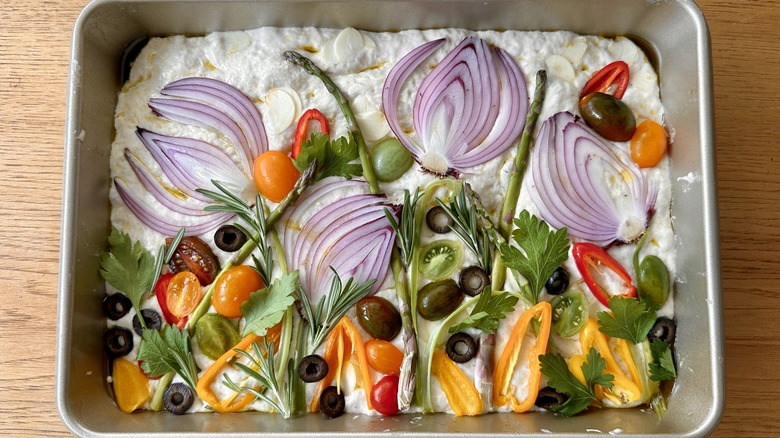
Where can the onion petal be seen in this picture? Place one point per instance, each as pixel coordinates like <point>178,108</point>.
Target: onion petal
<point>348,232</point>
<point>467,111</point>
<point>587,185</point>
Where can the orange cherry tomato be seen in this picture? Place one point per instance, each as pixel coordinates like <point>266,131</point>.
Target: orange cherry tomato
<point>648,145</point>
<point>275,175</point>
<point>384,356</point>
<point>233,288</point>
<point>183,294</point>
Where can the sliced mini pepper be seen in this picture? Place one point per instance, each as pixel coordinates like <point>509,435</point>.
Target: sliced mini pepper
<point>302,128</point>
<point>343,341</point>
<point>615,72</point>
<point>589,257</point>
<point>459,389</point>
<point>131,386</point>
<point>238,401</point>
<point>625,389</point>
<point>505,367</point>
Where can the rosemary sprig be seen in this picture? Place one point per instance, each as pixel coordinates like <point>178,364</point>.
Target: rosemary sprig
<point>472,225</point>
<point>333,306</point>
<point>405,230</point>
<point>263,370</point>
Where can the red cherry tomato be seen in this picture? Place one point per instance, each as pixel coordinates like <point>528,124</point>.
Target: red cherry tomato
<point>384,395</point>
<point>233,288</point>
<point>275,175</point>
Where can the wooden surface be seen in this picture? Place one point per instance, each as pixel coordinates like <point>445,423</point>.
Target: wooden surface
<point>34,50</point>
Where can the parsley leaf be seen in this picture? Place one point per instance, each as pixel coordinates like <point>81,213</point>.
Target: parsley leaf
<point>562,380</point>
<point>543,250</point>
<point>128,267</point>
<point>266,307</point>
<point>334,157</point>
<point>168,350</point>
<point>487,311</point>
<point>662,366</point>
<point>630,319</point>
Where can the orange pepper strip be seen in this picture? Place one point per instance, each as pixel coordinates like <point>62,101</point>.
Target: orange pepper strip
<point>624,390</point>
<point>461,393</point>
<point>505,367</point>
<point>343,341</point>
<point>235,403</point>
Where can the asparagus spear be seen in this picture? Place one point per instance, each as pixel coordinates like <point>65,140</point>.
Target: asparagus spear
<point>408,366</point>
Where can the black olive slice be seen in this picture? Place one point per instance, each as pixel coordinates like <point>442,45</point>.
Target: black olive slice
<point>438,220</point>
<point>152,319</point>
<point>312,368</point>
<point>332,402</point>
<point>558,281</point>
<point>229,238</point>
<point>664,329</point>
<point>115,306</point>
<point>473,280</point>
<point>461,347</point>
<point>117,341</point>
<point>178,398</point>
<point>548,398</point>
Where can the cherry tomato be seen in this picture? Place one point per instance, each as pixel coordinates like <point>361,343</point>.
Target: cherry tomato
<point>384,395</point>
<point>384,356</point>
<point>649,143</point>
<point>233,288</point>
<point>183,294</point>
<point>275,175</point>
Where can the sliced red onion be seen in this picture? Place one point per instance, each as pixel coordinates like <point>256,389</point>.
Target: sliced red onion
<point>349,232</point>
<point>580,181</point>
<point>468,110</point>
<point>217,106</point>
<point>155,219</point>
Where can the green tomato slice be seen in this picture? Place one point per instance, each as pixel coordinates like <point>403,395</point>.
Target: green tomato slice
<point>569,313</point>
<point>440,259</point>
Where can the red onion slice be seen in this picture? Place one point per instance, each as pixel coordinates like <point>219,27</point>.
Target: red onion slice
<point>581,182</point>
<point>219,107</point>
<point>348,232</point>
<point>467,111</point>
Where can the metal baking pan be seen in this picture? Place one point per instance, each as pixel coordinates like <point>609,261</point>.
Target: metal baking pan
<point>673,31</point>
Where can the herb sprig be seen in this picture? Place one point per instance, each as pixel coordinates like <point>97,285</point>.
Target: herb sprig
<point>487,312</point>
<point>662,367</point>
<point>333,306</point>
<point>265,308</point>
<point>334,157</point>
<point>404,228</point>
<point>630,319</point>
<point>562,380</point>
<point>166,351</point>
<point>543,250</point>
<point>468,225</point>
<point>263,369</point>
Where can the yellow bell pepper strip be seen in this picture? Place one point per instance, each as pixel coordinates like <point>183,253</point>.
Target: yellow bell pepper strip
<point>131,386</point>
<point>625,390</point>
<point>238,401</point>
<point>461,393</point>
<point>505,367</point>
<point>343,341</point>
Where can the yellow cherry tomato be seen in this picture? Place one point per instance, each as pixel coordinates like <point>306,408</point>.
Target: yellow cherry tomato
<point>649,144</point>
<point>183,294</point>
<point>275,175</point>
<point>384,356</point>
<point>232,288</point>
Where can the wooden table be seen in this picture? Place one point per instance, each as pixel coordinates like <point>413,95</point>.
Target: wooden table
<point>34,50</point>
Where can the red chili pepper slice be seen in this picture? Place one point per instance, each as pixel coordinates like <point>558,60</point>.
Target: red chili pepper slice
<point>615,72</point>
<point>302,128</point>
<point>588,256</point>
<point>159,292</point>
